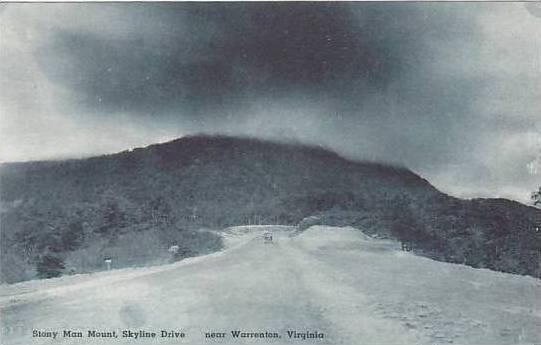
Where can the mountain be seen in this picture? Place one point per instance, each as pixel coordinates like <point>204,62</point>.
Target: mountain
<point>67,216</point>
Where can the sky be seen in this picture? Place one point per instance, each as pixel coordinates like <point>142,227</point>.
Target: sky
<point>449,90</point>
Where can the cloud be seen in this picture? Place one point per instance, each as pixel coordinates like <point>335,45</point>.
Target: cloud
<point>219,54</point>
<point>449,90</point>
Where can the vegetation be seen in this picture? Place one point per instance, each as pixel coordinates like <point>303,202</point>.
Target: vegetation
<point>132,206</point>
<point>49,266</point>
<point>536,197</point>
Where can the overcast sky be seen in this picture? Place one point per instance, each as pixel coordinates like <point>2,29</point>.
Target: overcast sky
<point>450,90</point>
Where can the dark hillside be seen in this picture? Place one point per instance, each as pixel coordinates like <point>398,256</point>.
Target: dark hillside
<point>163,194</point>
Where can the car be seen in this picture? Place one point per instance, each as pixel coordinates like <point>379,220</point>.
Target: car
<point>267,236</point>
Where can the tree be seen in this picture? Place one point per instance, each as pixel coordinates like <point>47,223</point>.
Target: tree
<point>113,217</point>
<point>404,226</point>
<point>160,211</point>
<point>536,197</point>
<point>50,266</point>
<point>72,236</point>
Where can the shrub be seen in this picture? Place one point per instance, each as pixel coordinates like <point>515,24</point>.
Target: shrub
<point>50,266</point>
<point>308,222</point>
<point>183,252</point>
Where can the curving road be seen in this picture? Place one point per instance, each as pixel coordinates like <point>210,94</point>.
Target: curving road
<point>329,285</point>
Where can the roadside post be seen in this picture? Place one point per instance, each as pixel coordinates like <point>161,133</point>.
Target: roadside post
<point>108,261</point>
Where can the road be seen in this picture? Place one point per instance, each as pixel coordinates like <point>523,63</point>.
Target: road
<point>334,283</point>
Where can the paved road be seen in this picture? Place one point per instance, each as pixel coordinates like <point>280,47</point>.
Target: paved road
<point>328,281</point>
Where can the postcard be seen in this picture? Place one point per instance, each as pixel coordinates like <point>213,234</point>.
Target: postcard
<point>358,173</point>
